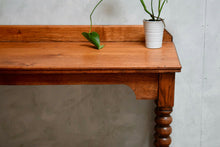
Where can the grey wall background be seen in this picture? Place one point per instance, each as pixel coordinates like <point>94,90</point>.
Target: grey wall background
<point>93,116</point>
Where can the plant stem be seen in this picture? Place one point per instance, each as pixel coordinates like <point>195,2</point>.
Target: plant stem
<point>91,15</point>
<point>152,10</point>
<point>145,8</point>
<point>160,9</point>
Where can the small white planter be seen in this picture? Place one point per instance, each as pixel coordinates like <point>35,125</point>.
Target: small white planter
<point>153,33</point>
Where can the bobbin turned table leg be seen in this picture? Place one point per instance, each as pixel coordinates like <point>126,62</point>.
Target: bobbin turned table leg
<point>162,128</point>
<point>163,110</point>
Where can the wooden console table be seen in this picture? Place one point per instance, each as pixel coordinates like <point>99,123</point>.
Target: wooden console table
<point>59,55</point>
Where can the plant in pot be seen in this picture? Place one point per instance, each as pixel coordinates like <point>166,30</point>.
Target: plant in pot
<point>154,27</point>
<point>93,37</point>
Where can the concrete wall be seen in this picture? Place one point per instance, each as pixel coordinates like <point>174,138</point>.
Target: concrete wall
<point>93,116</point>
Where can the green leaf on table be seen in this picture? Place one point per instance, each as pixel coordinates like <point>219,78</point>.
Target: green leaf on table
<point>93,38</point>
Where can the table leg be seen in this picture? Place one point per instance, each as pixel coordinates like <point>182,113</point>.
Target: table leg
<point>165,103</point>
<point>162,128</point>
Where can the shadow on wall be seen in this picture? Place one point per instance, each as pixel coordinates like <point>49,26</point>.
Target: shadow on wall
<point>111,8</point>
<point>109,11</point>
<point>84,115</point>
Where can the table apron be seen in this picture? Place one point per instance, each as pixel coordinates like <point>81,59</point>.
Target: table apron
<point>145,86</point>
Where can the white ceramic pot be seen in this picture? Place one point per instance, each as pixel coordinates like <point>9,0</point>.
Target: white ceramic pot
<point>153,33</point>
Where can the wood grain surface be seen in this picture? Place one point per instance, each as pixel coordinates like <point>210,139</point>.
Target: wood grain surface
<point>166,90</point>
<point>145,86</point>
<point>64,33</point>
<point>80,57</point>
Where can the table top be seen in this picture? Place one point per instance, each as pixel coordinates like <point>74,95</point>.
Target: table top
<point>81,57</point>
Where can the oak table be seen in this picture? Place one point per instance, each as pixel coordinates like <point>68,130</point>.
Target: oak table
<point>59,55</point>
